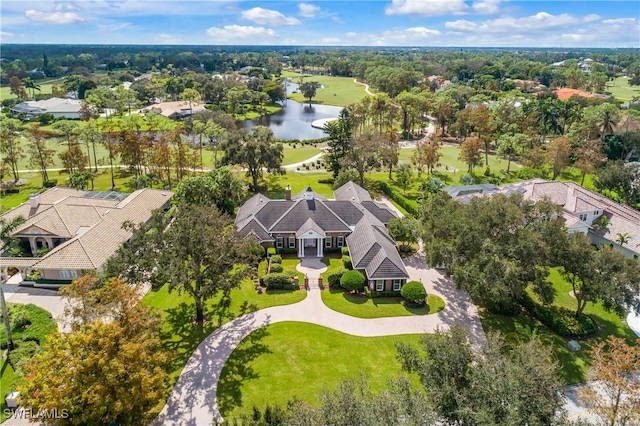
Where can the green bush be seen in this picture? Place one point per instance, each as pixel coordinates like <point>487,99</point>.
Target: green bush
<point>333,278</point>
<point>345,251</point>
<point>22,354</point>
<point>12,190</point>
<point>50,183</point>
<point>278,281</point>
<point>276,267</point>
<point>352,281</point>
<point>287,250</point>
<point>18,317</point>
<point>271,250</point>
<point>346,262</point>
<point>410,206</point>
<point>373,294</point>
<point>560,320</point>
<point>276,258</point>
<point>328,181</point>
<point>414,291</point>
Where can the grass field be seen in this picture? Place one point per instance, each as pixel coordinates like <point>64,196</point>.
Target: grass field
<point>450,159</point>
<point>291,359</point>
<point>573,366</point>
<point>621,90</point>
<point>296,155</point>
<point>45,89</point>
<point>338,91</point>
<point>181,337</point>
<point>380,307</point>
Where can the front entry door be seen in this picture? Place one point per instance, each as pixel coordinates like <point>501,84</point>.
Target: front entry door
<point>310,242</point>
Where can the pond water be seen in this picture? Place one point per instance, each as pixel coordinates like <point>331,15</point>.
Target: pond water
<point>294,120</point>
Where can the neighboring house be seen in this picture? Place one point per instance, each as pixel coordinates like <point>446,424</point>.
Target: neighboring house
<point>58,107</point>
<point>76,231</point>
<point>175,110</point>
<point>583,211</point>
<point>308,224</point>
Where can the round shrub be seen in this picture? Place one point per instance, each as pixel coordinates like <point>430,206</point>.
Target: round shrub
<point>346,262</point>
<point>333,278</point>
<point>277,280</point>
<point>345,251</point>
<point>414,291</point>
<point>276,267</point>
<point>276,258</point>
<point>352,281</point>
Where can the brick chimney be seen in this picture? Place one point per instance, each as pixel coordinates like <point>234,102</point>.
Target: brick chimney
<point>287,193</point>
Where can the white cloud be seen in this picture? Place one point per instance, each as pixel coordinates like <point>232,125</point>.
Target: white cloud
<point>407,37</point>
<point>167,39</point>
<point>114,26</point>
<point>67,7</point>
<point>268,17</point>
<point>330,41</point>
<point>442,7</point>
<point>541,21</point>
<point>231,34</point>
<point>5,35</point>
<point>351,34</point>
<point>308,10</point>
<point>337,20</point>
<point>58,18</point>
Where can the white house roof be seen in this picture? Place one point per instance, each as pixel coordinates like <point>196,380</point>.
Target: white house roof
<point>52,105</point>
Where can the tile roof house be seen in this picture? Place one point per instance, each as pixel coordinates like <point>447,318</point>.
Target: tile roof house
<point>77,230</point>
<point>174,110</point>
<point>582,211</point>
<point>308,224</point>
<point>58,107</point>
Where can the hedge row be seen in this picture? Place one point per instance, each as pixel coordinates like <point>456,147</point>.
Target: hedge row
<point>374,294</point>
<point>410,206</point>
<point>560,320</point>
<point>333,278</point>
<point>346,262</point>
<point>276,258</point>
<point>279,280</point>
<point>345,251</point>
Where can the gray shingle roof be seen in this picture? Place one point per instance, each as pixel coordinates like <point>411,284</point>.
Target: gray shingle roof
<point>348,211</point>
<point>310,225</point>
<point>352,192</point>
<point>371,248</point>
<point>380,211</point>
<point>258,229</point>
<point>302,210</point>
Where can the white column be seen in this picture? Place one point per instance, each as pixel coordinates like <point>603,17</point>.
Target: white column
<point>321,240</point>
<point>301,247</point>
<point>319,248</point>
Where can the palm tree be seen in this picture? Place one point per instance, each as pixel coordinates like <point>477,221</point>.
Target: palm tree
<point>6,229</point>
<point>602,224</point>
<point>29,83</point>
<point>623,238</point>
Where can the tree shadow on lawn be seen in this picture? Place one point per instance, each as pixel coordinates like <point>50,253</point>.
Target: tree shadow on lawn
<point>238,370</point>
<point>181,335</point>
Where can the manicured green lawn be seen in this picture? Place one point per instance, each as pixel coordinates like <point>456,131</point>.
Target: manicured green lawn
<point>45,88</point>
<point>181,337</point>
<point>573,366</point>
<point>338,91</point>
<point>291,359</point>
<point>379,307</point>
<point>296,155</point>
<point>299,182</point>
<point>40,326</point>
<point>7,377</point>
<point>290,265</point>
<point>621,90</point>
<point>250,115</point>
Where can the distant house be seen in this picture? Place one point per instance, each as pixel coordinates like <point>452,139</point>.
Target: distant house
<point>76,231</point>
<point>175,110</point>
<point>58,107</point>
<point>582,211</point>
<point>308,224</point>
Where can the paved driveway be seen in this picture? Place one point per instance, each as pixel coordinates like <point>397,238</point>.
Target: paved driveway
<point>44,298</point>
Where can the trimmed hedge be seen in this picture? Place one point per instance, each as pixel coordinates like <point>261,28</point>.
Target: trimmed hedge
<point>22,354</point>
<point>276,267</point>
<point>345,251</point>
<point>560,320</point>
<point>276,258</point>
<point>409,205</point>
<point>286,250</point>
<point>50,183</point>
<point>352,281</point>
<point>346,262</point>
<point>333,278</point>
<point>278,281</point>
<point>330,181</point>
<point>374,294</point>
<point>414,291</point>
<point>11,190</point>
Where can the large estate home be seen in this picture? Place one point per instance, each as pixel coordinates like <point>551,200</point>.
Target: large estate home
<point>68,231</point>
<point>309,224</point>
<point>603,220</point>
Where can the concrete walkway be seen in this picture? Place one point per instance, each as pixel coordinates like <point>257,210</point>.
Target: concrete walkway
<point>193,399</point>
<point>47,299</point>
<point>302,163</point>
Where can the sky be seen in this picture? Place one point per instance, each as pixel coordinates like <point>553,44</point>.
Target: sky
<point>463,23</point>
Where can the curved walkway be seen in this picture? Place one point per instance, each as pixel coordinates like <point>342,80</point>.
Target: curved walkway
<point>301,163</point>
<point>193,399</point>
<point>366,86</point>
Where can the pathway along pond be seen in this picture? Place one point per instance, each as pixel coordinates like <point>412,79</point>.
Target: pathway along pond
<point>294,120</point>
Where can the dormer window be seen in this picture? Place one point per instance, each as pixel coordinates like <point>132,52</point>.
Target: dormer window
<point>583,217</point>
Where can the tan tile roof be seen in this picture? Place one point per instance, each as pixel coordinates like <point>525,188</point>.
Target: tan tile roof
<point>62,212</point>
